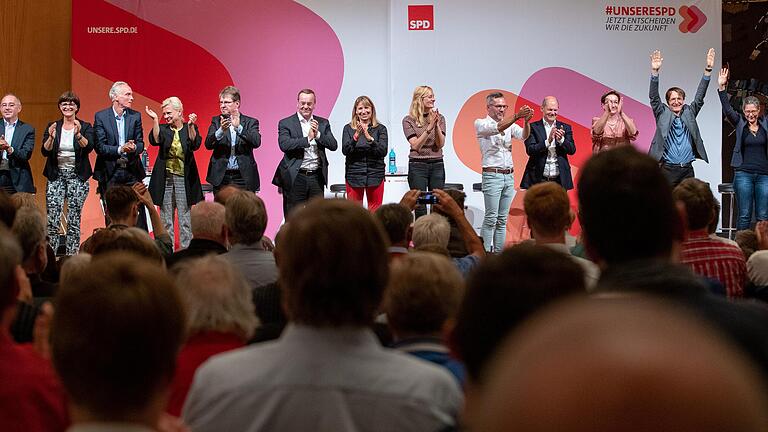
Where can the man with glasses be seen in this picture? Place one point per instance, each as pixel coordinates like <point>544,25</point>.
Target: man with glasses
<point>232,136</point>
<point>498,178</point>
<point>17,139</point>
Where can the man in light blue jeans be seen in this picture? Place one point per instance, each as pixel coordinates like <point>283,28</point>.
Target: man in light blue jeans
<point>498,179</point>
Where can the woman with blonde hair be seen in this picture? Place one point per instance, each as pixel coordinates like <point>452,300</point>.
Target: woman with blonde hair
<point>424,128</point>
<point>175,182</point>
<point>364,143</point>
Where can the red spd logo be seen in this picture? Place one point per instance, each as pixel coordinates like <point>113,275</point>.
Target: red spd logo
<point>693,19</point>
<point>421,17</point>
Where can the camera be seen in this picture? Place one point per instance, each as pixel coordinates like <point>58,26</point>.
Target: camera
<point>226,116</point>
<point>427,198</point>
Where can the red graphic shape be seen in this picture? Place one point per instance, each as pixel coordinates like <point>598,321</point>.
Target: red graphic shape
<point>693,19</point>
<point>421,17</point>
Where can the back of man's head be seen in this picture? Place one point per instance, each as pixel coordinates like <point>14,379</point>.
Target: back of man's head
<point>115,335</point>
<point>120,201</point>
<point>626,208</point>
<point>700,204</point>
<point>424,292</point>
<point>396,221</point>
<point>7,210</point>
<point>29,228</point>
<point>246,218</point>
<point>333,264</point>
<point>548,208</point>
<point>133,240</point>
<point>635,357</point>
<point>503,291</point>
<point>208,221</point>
<point>457,195</point>
<point>10,258</point>
<point>432,228</point>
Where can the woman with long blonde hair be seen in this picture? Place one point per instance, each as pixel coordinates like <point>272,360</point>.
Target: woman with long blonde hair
<point>424,128</point>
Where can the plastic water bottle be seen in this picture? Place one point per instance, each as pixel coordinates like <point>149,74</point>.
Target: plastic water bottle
<point>392,164</point>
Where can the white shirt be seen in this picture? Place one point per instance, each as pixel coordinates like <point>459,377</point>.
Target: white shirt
<point>495,146</point>
<point>66,154</point>
<point>551,168</point>
<point>324,379</point>
<point>310,161</point>
<point>10,128</point>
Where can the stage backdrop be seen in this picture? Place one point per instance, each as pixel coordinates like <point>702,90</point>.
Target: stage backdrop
<point>270,49</point>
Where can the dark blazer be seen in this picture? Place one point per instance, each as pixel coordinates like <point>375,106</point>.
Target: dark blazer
<point>292,142</point>
<point>365,160</point>
<point>18,162</point>
<point>191,177</point>
<point>108,145</point>
<point>536,147</point>
<point>664,117</point>
<point>740,123</point>
<point>197,248</point>
<point>247,140</point>
<point>82,162</point>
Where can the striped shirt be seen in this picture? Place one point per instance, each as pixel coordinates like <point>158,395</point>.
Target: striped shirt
<point>716,260</point>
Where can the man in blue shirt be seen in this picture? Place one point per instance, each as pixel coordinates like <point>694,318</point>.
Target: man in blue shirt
<point>677,141</point>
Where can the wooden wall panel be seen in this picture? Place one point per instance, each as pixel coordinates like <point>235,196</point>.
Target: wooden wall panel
<point>36,64</point>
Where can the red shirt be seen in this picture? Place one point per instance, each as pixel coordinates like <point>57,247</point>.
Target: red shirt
<point>716,260</point>
<point>195,352</point>
<point>31,396</point>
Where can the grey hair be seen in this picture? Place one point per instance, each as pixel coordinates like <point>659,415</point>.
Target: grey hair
<point>29,229</point>
<point>174,102</point>
<point>489,99</point>
<point>113,89</point>
<point>10,251</point>
<point>73,265</point>
<point>216,297</point>
<point>750,100</point>
<point>432,228</point>
<point>207,219</point>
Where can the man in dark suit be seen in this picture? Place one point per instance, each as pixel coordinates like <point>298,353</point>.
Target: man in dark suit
<point>303,171</point>
<point>232,136</point>
<point>17,139</point>
<point>677,141</point>
<point>119,140</point>
<point>548,147</point>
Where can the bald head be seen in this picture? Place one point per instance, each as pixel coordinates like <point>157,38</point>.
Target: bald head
<point>631,364</point>
<point>208,221</point>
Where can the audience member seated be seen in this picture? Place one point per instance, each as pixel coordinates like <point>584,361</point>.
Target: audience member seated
<point>757,272</point>
<point>456,245</point>
<point>710,258</point>
<point>122,204</point>
<point>502,293</point>
<point>115,334</point>
<point>549,214</point>
<point>632,228</point>
<point>746,240</point>
<point>27,200</point>
<point>31,397</point>
<point>131,239</point>
<point>209,235</point>
<point>246,220</point>
<point>421,303</point>
<point>436,229</point>
<point>7,210</point>
<point>630,365</point>
<point>396,220</point>
<point>220,317</point>
<point>327,371</point>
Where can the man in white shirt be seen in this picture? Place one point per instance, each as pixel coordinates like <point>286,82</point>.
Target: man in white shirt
<point>17,139</point>
<point>327,371</point>
<point>498,179</point>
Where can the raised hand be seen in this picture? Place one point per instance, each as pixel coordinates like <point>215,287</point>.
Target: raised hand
<point>129,146</point>
<point>620,107</point>
<point>722,78</point>
<point>710,58</point>
<point>151,113</point>
<point>52,130</point>
<point>3,143</point>
<point>77,126</point>
<point>192,118</point>
<point>226,122</point>
<point>236,121</point>
<point>656,60</point>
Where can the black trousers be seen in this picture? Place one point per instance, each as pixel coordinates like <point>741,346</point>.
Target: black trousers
<point>676,173</point>
<point>306,186</point>
<point>6,184</point>
<point>231,178</point>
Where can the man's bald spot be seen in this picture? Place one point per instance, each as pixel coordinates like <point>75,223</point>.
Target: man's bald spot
<point>631,364</point>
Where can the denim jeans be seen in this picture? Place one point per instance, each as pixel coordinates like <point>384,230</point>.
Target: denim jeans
<point>751,190</point>
<point>498,191</point>
<point>425,176</point>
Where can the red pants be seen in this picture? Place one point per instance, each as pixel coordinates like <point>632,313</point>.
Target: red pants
<point>375,195</point>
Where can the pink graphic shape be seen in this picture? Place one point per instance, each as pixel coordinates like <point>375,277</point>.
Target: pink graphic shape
<point>693,19</point>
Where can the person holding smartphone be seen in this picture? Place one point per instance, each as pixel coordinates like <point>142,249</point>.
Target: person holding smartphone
<point>424,128</point>
<point>232,136</point>
<point>364,143</point>
<point>548,147</point>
